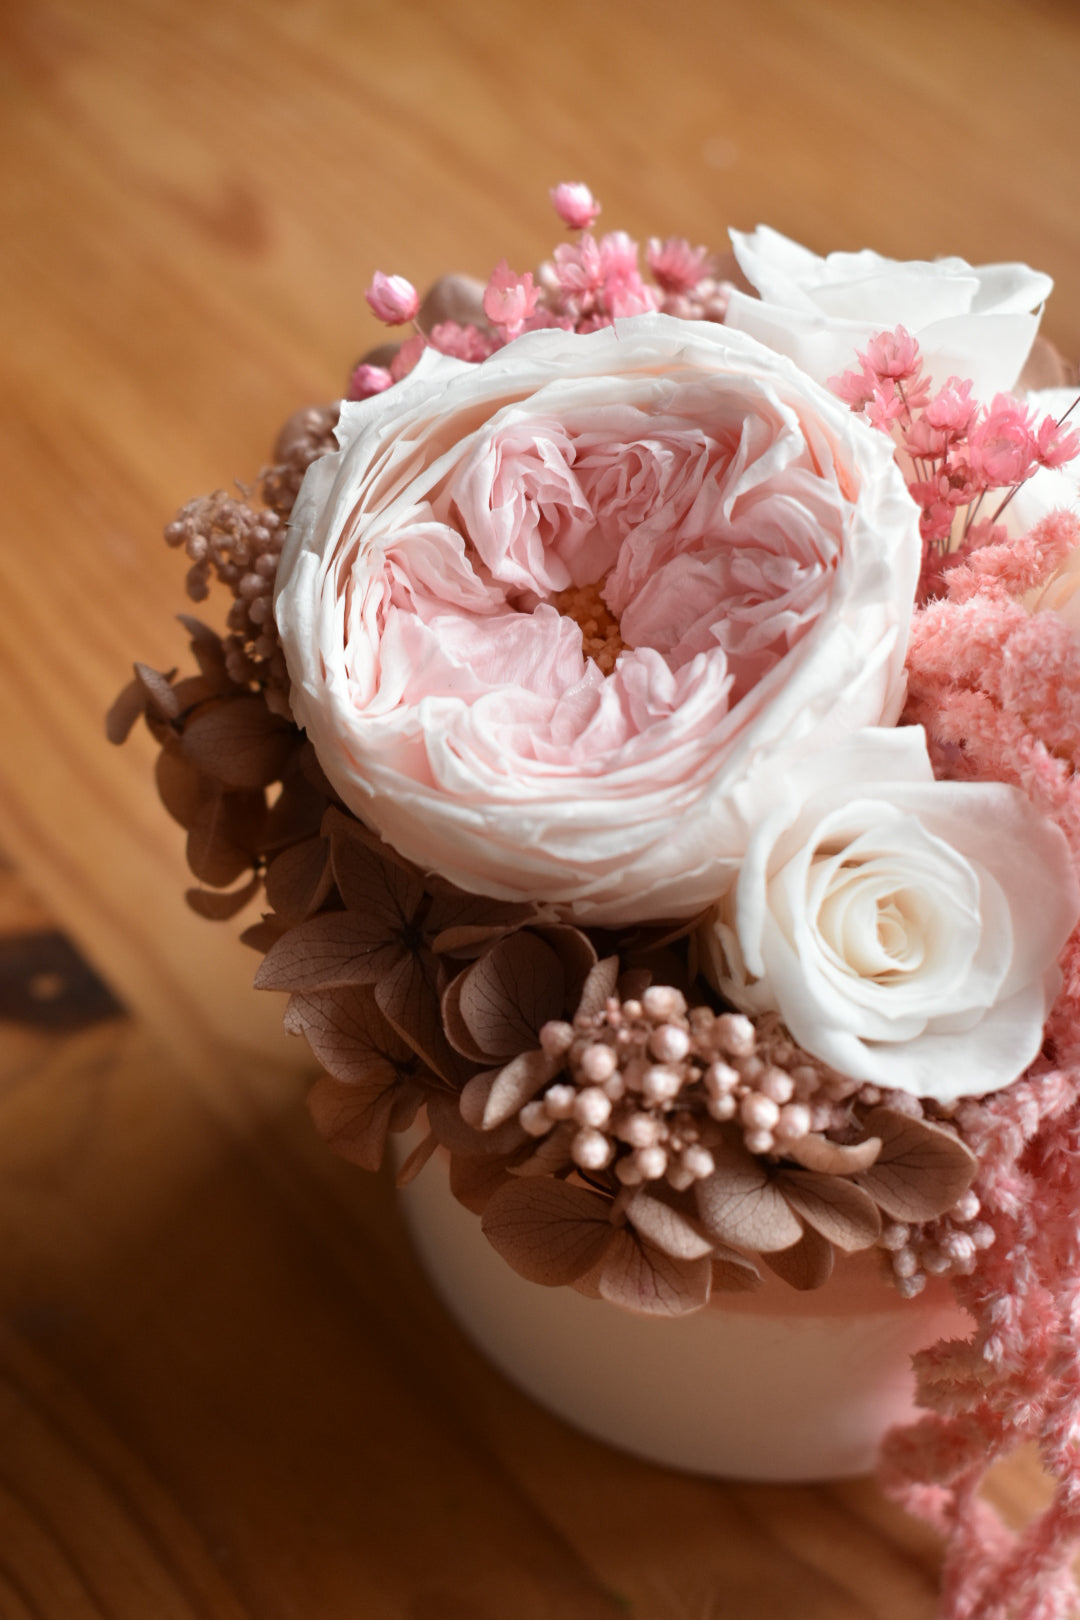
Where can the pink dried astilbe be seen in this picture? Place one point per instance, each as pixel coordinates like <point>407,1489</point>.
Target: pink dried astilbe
<point>1017,1380</point>
<point>998,691</point>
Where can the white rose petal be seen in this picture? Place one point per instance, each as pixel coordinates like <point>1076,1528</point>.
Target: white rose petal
<point>906,930</point>
<point>976,322</point>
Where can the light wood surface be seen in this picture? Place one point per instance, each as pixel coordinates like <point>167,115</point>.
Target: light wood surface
<point>225,1389</point>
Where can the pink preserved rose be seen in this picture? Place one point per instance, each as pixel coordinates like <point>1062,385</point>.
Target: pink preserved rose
<point>544,614</point>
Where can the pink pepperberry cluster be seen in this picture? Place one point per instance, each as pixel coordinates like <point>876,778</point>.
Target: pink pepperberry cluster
<point>643,1080</point>
<point>951,1244</point>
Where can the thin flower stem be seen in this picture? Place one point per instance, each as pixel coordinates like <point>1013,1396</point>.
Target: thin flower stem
<point>1008,498</point>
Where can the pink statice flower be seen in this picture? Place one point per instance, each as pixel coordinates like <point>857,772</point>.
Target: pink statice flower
<point>1001,445</point>
<point>596,281</point>
<point>574,276</point>
<point>575,204</point>
<point>393,299</point>
<point>625,293</point>
<point>1055,444</point>
<point>894,355</point>
<point>676,266</point>
<point>510,299</point>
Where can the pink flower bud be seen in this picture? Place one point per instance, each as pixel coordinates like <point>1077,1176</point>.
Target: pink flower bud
<point>393,299</point>
<point>510,299</point>
<point>575,204</point>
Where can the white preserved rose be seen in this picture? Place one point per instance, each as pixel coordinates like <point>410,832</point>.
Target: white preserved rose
<point>971,321</point>
<point>907,930</point>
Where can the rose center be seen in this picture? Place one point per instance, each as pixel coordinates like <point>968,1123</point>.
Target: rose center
<point>601,639</point>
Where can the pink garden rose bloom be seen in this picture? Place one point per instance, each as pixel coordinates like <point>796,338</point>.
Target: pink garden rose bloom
<point>750,554</point>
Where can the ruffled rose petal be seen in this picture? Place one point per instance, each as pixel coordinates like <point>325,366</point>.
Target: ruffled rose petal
<point>752,539</point>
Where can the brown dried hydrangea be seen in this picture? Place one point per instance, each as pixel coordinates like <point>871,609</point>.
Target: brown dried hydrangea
<point>616,1127</point>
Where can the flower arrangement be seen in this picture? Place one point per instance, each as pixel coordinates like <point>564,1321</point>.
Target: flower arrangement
<point>651,709</point>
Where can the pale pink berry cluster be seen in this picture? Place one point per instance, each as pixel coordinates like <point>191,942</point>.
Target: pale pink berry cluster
<point>643,1080</point>
<point>949,1245</point>
<point>240,544</point>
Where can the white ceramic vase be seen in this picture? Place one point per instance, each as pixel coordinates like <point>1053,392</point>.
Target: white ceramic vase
<point>774,1385</point>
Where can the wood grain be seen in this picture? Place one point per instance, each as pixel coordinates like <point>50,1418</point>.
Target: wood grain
<point>225,1389</point>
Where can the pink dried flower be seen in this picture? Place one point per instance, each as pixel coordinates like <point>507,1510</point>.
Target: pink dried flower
<point>393,299</point>
<point>368,380</point>
<point>952,409</point>
<point>1054,443</point>
<point>624,291</point>
<point>575,204</point>
<point>510,299</point>
<point>675,265</point>
<point>1002,447</point>
<point>885,407</point>
<point>855,388</point>
<point>576,275</point>
<point>893,355</point>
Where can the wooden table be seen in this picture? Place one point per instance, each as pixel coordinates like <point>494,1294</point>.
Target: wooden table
<point>225,1389</point>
